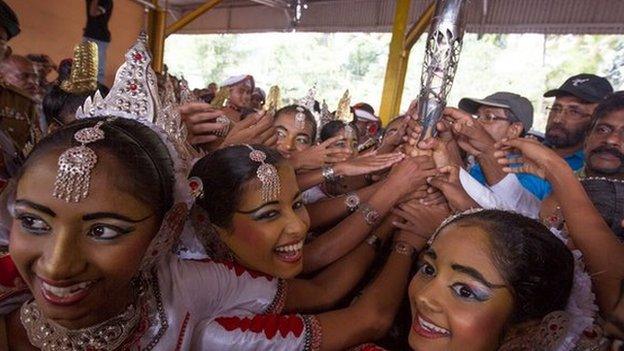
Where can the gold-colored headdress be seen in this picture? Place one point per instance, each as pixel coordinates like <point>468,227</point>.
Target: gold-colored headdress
<point>83,75</point>
<point>343,112</point>
<point>220,98</point>
<point>267,174</point>
<point>272,102</point>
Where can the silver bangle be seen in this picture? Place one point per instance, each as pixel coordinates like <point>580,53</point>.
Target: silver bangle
<point>352,200</point>
<point>404,248</point>
<point>329,174</point>
<point>374,241</point>
<point>371,216</point>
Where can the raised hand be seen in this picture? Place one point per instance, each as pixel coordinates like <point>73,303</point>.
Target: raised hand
<point>257,128</point>
<point>523,155</point>
<point>418,221</point>
<point>199,119</point>
<point>447,181</point>
<point>368,163</point>
<point>411,174</point>
<point>471,135</point>
<point>319,155</point>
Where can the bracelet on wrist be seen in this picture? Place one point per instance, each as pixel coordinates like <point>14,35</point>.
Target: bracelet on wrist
<point>352,200</point>
<point>374,241</point>
<point>371,216</point>
<point>329,174</point>
<point>403,248</point>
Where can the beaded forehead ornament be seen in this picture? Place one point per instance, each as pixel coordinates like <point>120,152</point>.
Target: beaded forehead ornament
<point>267,174</point>
<point>76,164</point>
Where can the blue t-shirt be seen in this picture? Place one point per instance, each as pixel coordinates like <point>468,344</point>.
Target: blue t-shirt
<point>537,186</point>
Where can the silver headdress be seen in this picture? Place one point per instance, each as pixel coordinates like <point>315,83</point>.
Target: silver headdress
<point>170,120</point>
<point>267,174</point>
<point>186,95</point>
<point>444,44</point>
<point>133,94</point>
<point>300,118</point>
<point>308,102</point>
<point>309,99</point>
<point>326,115</point>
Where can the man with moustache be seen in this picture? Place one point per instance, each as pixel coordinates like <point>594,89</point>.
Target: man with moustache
<point>569,117</point>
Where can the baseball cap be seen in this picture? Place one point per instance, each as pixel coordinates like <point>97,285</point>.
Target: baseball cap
<point>588,87</point>
<point>520,107</point>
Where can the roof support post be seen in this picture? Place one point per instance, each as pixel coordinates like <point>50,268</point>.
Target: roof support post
<point>191,16</point>
<point>156,22</point>
<point>398,57</point>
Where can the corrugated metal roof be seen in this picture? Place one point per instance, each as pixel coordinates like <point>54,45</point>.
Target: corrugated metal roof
<point>484,16</point>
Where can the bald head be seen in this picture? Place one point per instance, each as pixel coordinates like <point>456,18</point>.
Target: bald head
<point>20,72</point>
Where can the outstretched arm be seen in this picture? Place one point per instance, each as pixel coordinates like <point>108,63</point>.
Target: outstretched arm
<point>602,252</point>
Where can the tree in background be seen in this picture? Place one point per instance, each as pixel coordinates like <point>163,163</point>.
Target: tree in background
<point>528,64</point>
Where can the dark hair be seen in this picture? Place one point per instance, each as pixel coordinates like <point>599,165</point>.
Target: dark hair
<point>612,103</point>
<point>58,103</point>
<point>331,129</point>
<point>224,174</point>
<point>537,266</point>
<point>145,166</point>
<point>292,109</point>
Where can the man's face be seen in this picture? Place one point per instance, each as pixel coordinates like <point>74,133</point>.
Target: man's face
<point>18,71</point>
<point>495,121</point>
<point>604,146</point>
<point>568,121</point>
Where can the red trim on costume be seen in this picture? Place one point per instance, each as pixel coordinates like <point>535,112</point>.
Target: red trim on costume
<point>269,324</point>
<point>183,331</point>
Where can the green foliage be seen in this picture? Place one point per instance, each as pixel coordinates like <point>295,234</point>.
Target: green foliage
<point>527,64</point>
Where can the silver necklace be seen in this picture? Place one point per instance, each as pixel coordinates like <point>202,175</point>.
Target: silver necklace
<point>50,336</point>
<point>603,179</point>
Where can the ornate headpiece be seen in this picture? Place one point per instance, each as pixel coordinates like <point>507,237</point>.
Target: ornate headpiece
<point>309,100</point>
<point>273,100</point>
<point>83,76</point>
<point>326,115</point>
<point>134,93</point>
<point>300,118</point>
<point>267,174</point>
<point>343,112</point>
<point>186,95</point>
<point>170,121</point>
<point>75,166</point>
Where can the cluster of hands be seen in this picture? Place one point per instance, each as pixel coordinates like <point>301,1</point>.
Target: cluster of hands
<point>426,172</point>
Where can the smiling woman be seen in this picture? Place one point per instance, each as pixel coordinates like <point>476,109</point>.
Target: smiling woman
<point>486,279</point>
